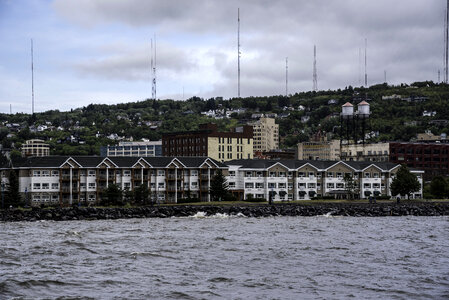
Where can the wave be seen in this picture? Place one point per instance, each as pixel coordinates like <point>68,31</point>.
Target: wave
<point>204,215</point>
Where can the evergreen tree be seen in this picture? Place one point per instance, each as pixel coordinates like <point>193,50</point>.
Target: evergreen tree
<point>219,188</point>
<point>112,195</point>
<point>141,194</point>
<point>12,196</point>
<point>404,183</point>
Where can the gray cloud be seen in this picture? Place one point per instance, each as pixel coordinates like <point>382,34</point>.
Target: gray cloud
<point>404,37</point>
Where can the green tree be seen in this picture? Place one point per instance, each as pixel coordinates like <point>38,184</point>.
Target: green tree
<point>113,195</point>
<point>404,183</point>
<point>439,187</point>
<point>12,195</point>
<point>219,188</point>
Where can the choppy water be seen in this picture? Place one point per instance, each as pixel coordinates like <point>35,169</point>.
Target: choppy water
<point>228,258</point>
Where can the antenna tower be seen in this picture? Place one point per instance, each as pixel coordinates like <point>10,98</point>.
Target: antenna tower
<point>315,82</point>
<point>32,79</point>
<point>385,76</point>
<point>366,75</point>
<point>446,38</point>
<point>238,52</point>
<point>286,77</point>
<point>438,75</point>
<point>153,69</point>
<point>360,66</point>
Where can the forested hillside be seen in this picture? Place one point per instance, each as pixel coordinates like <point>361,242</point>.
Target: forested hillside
<point>83,130</point>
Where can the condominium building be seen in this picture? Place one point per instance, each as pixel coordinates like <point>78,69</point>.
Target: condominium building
<point>319,150</point>
<point>208,141</point>
<point>66,180</point>
<point>148,148</point>
<point>35,147</point>
<point>365,152</point>
<point>303,180</point>
<point>265,134</point>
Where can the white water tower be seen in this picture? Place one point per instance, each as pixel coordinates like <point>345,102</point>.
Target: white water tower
<point>347,110</point>
<point>363,109</point>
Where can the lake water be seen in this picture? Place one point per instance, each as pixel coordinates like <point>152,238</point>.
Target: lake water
<point>224,257</point>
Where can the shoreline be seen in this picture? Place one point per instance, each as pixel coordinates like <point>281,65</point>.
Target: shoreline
<point>257,211</point>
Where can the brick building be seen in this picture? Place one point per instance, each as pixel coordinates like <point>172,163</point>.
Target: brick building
<point>433,158</point>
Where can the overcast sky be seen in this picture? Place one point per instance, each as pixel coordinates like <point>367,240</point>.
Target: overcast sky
<point>98,51</point>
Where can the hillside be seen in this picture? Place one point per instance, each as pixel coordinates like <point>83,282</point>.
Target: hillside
<point>83,130</point>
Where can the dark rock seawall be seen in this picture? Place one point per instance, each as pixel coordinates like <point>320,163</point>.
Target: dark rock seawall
<point>334,209</point>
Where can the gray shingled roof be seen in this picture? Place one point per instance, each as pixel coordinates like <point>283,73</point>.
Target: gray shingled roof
<point>121,162</point>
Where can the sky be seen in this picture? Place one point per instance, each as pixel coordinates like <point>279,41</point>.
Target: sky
<point>98,51</point>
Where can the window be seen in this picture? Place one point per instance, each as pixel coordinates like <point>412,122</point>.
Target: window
<point>36,186</point>
<point>290,197</point>
<point>55,186</point>
<point>127,185</point>
<point>281,174</point>
<point>367,175</point>
<point>376,185</point>
<point>91,185</point>
<point>339,175</point>
<point>375,175</point>
<point>232,173</point>
<point>281,185</point>
<point>194,184</point>
<point>152,185</point>
<point>260,185</point>
<point>272,174</point>
<point>259,174</point>
<point>301,185</point>
<point>45,173</point>
<point>340,185</point>
<point>231,185</point>
<point>311,185</point>
<point>54,198</point>
<point>91,173</point>
<point>311,174</point>
<point>290,175</point>
<point>330,174</point>
<point>194,173</point>
<point>249,185</point>
<point>160,173</point>
<point>290,185</point>
<point>271,185</point>
<point>367,185</point>
<point>330,185</point>
<point>301,174</point>
<point>54,173</point>
<point>45,186</point>
<point>161,185</point>
<point>248,174</point>
<point>36,173</point>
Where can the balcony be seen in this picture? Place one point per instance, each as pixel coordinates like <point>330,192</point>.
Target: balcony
<point>204,177</point>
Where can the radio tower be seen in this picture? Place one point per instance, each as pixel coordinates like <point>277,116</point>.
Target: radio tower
<point>32,79</point>
<point>286,77</point>
<point>238,52</point>
<point>446,38</point>
<point>153,69</point>
<point>360,66</point>
<point>315,81</point>
<point>366,75</point>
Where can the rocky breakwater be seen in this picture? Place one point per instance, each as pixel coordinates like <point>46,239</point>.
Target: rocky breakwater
<point>328,209</point>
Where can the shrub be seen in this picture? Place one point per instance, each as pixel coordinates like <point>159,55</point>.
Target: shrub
<point>251,199</point>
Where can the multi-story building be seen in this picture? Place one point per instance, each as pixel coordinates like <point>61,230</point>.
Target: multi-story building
<point>208,141</point>
<point>148,148</point>
<point>35,147</point>
<point>66,180</point>
<point>265,135</point>
<point>433,158</point>
<point>303,180</point>
<point>319,150</point>
<point>365,152</point>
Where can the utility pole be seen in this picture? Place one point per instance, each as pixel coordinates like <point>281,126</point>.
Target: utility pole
<point>446,37</point>
<point>366,75</point>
